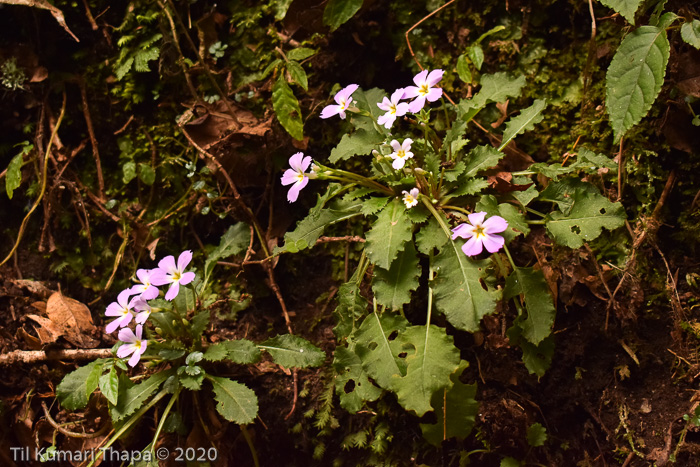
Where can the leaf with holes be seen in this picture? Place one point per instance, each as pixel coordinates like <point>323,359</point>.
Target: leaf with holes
<point>458,289</point>
<point>388,234</point>
<point>293,351</point>
<point>352,383</point>
<point>635,76</point>
<point>286,107</point>
<point>533,287</point>
<point>431,358</point>
<point>392,288</point>
<point>526,121</point>
<point>378,346</point>
<point>589,214</point>
<point>236,402</point>
<point>627,8</point>
<point>455,408</point>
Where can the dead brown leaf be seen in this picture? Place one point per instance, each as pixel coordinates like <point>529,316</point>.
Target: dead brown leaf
<point>74,319</point>
<point>48,331</point>
<point>44,5</point>
<point>35,287</point>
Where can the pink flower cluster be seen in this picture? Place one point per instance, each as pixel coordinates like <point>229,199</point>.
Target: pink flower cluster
<point>132,303</point>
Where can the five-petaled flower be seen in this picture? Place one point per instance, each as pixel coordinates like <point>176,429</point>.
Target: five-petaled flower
<point>134,344</point>
<point>402,152</point>
<point>296,175</point>
<point>410,198</point>
<point>481,234</point>
<point>142,310</point>
<point>393,109</point>
<point>122,309</point>
<point>174,274</point>
<point>423,89</point>
<point>343,101</point>
<point>146,289</point>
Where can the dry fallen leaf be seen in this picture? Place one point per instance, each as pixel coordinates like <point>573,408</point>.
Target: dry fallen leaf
<point>48,331</point>
<point>73,318</point>
<point>35,287</point>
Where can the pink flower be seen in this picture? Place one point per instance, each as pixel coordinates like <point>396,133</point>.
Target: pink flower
<point>121,308</point>
<point>423,89</point>
<point>134,345</point>
<point>143,309</point>
<point>393,109</point>
<point>296,175</point>
<point>343,100</point>
<point>410,198</point>
<point>402,152</point>
<point>174,274</point>
<point>146,289</point>
<point>481,234</point>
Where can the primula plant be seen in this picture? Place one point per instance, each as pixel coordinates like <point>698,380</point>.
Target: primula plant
<point>437,249</point>
<point>160,324</point>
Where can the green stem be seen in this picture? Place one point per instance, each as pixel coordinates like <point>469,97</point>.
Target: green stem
<point>163,418</point>
<point>433,211</point>
<point>456,208</point>
<point>510,258</point>
<point>251,446</point>
<point>431,276</point>
<point>128,424</point>
<point>535,212</point>
<point>539,222</point>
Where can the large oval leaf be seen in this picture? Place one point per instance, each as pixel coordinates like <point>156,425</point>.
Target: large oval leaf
<point>635,77</point>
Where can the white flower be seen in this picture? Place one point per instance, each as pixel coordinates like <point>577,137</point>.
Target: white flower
<point>410,198</point>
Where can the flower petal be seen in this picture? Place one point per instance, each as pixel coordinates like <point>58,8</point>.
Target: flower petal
<point>463,230</point>
<point>112,326</point>
<point>434,94</point>
<point>395,145</point>
<point>415,192</point>
<point>406,145</point>
<point>167,265</point>
<point>173,291</point>
<point>126,335</point>
<point>419,79</point>
<point>346,92</point>
<point>493,243</point>
<point>387,120</point>
<point>398,163</point>
<point>397,95</point>
<point>123,297</point>
<point>385,105</point>
<point>476,217</point>
<point>473,247</point>
<point>289,177</point>
<point>410,92</point>
<point>401,109</point>
<point>186,278</point>
<point>125,350</point>
<point>134,358</point>
<point>417,104</point>
<point>495,224</point>
<point>183,260</point>
<point>434,77</point>
<point>330,110</point>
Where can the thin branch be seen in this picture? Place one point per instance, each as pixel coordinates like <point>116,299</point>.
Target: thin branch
<point>410,49</point>
<point>72,434</point>
<point>93,139</point>
<point>34,356</point>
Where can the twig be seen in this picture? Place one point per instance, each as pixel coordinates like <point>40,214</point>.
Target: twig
<point>619,171</point>
<point>33,356</point>
<point>72,434</point>
<point>410,49</point>
<point>653,225</point>
<point>90,18</point>
<point>93,139</point>
<point>602,279</point>
<point>44,176</point>
<point>207,71</point>
<point>173,30</point>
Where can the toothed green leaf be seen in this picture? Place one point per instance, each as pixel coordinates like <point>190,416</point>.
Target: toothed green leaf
<point>236,402</point>
<point>392,288</point>
<point>388,234</point>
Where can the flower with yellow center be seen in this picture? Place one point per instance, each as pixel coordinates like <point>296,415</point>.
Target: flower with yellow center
<point>423,89</point>
<point>402,152</point>
<point>481,234</point>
